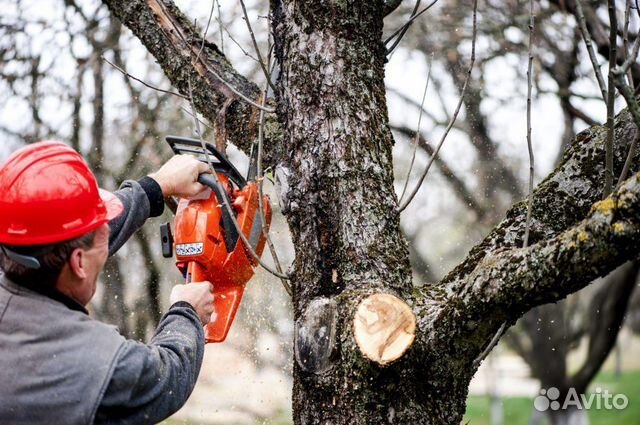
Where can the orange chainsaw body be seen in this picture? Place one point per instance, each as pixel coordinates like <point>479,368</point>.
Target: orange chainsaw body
<point>202,248</point>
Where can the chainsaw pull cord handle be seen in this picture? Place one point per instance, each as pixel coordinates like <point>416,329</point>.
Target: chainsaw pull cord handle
<point>231,235</point>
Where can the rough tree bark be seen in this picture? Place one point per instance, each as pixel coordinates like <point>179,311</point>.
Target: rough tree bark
<point>341,209</point>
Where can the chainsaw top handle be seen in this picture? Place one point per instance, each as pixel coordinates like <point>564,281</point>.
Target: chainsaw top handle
<point>186,145</point>
<point>230,233</point>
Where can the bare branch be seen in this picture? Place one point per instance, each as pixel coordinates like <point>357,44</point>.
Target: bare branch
<point>613,22</point>
<point>267,75</point>
<point>586,36</point>
<point>489,347</point>
<point>126,74</point>
<point>206,30</point>
<point>404,28</point>
<point>172,39</point>
<point>627,163</point>
<point>399,33</point>
<point>625,36</point>
<point>221,27</point>
<point>415,141</point>
<point>529,143</point>
<point>455,114</point>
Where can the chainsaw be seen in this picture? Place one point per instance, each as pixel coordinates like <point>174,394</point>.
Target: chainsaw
<point>206,241</point>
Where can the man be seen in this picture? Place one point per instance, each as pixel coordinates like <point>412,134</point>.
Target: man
<point>57,365</point>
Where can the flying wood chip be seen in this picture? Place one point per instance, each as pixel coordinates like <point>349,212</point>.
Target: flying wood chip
<point>384,327</point>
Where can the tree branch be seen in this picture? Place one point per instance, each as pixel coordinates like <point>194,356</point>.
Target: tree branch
<point>554,268</point>
<point>564,198</point>
<point>171,38</point>
<point>570,245</point>
<point>597,31</point>
<point>457,184</point>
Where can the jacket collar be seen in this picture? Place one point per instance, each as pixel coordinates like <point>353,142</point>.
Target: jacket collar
<point>48,292</point>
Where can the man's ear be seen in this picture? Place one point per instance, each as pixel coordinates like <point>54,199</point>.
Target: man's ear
<point>77,263</point>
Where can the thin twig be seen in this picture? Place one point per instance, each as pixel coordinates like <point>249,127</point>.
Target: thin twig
<point>417,134</point>
<point>629,96</point>
<point>629,160</point>
<point>625,36</point>
<point>256,48</point>
<point>221,27</point>
<point>265,231</point>
<point>404,27</point>
<point>586,36</point>
<point>455,114</point>
<point>186,111</point>
<point>631,59</point>
<point>237,43</point>
<point>126,74</point>
<point>260,172</point>
<point>489,347</point>
<point>529,143</point>
<point>627,89</point>
<point>224,200</point>
<point>608,173</point>
<point>206,30</point>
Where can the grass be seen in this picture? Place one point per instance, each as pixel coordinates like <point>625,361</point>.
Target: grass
<point>518,410</point>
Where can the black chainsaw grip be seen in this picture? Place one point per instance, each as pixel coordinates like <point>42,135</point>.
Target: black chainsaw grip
<point>231,235</point>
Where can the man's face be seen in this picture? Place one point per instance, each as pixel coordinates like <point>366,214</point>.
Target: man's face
<point>94,261</point>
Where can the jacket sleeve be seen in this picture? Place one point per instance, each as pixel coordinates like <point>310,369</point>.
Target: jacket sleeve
<point>141,199</point>
<point>151,382</point>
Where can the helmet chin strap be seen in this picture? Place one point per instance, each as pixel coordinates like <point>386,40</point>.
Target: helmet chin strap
<point>24,260</point>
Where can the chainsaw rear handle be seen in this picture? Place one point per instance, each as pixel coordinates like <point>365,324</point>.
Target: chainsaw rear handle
<point>231,235</point>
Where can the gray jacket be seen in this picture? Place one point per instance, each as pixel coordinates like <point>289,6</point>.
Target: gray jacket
<point>59,366</point>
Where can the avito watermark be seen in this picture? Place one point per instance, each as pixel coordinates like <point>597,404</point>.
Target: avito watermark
<point>601,399</point>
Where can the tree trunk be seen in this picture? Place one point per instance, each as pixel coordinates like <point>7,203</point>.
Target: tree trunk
<point>341,210</point>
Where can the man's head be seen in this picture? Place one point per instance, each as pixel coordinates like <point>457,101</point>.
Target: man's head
<point>53,219</point>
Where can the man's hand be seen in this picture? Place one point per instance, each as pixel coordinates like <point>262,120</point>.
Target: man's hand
<point>199,295</point>
<point>179,176</point>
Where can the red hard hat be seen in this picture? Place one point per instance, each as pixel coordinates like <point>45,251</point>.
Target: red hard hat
<point>49,195</point>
